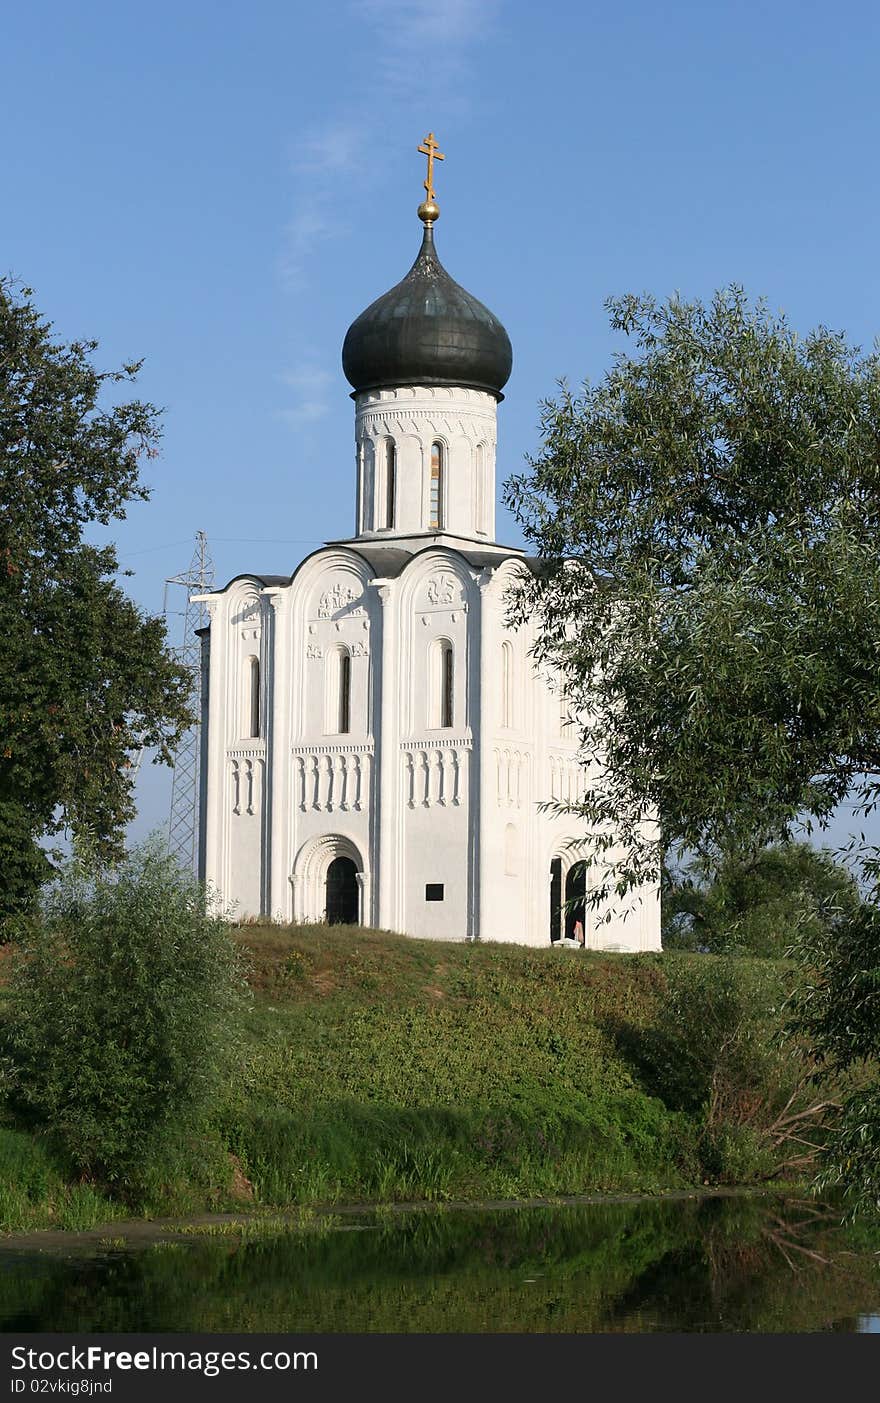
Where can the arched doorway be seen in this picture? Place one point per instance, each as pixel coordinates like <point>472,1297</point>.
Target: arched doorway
<point>575,898</point>
<point>330,882</point>
<point>342,904</point>
<point>555,899</point>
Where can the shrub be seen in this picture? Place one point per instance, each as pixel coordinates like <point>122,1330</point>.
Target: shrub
<point>835,1009</point>
<point>121,1022</point>
<point>758,902</point>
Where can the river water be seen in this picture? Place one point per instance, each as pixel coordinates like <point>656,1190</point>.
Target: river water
<point>700,1264</point>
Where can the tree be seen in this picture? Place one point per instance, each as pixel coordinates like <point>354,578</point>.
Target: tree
<point>85,677</point>
<point>758,902</point>
<point>122,1018</point>
<point>707,516</point>
<point>835,1008</point>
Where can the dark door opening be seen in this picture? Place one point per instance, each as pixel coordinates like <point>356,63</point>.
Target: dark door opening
<point>342,893</point>
<point>556,898</point>
<point>576,899</point>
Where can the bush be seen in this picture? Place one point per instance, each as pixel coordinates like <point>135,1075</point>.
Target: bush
<point>835,1009</point>
<point>121,1023</point>
<point>758,902</point>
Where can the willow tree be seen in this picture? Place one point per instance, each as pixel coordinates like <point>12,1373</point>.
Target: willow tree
<point>708,517</point>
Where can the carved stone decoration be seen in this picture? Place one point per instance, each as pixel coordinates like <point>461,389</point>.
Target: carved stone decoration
<point>249,779</point>
<point>236,788</point>
<point>337,597</point>
<point>457,761</point>
<point>359,650</point>
<point>249,609</point>
<point>302,782</point>
<point>426,777</point>
<point>314,650</point>
<point>410,779</point>
<point>441,589</point>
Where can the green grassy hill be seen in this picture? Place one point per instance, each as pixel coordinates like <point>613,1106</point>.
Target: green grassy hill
<point>375,1067</point>
<point>380,1067</point>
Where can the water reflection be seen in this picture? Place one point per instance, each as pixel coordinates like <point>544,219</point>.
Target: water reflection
<point>695,1265</point>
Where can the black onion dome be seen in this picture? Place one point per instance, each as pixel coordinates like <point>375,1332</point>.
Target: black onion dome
<point>427,331</point>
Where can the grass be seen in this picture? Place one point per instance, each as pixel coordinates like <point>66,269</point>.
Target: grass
<point>378,1068</point>
<point>35,1194</point>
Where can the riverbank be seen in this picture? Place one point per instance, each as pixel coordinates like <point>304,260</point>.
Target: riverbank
<point>122,1234</point>
<point>376,1069</point>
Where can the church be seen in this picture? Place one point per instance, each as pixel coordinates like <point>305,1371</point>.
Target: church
<point>377,746</point>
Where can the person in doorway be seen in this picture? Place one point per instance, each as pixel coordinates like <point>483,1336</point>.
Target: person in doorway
<point>579,932</point>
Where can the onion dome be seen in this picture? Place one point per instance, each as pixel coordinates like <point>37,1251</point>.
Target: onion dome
<point>427,331</point>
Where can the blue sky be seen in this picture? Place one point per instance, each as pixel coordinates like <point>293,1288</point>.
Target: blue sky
<point>221,188</point>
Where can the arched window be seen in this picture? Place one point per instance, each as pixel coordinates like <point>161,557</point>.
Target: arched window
<point>448,698</point>
<point>344,693</point>
<point>337,707</point>
<point>368,486</point>
<point>390,482</point>
<point>506,684</point>
<point>441,682</point>
<point>565,731</point>
<point>480,489</point>
<point>435,512</point>
<point>251,698</point>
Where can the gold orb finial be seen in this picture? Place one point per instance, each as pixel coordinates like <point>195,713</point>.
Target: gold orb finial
<point>429,210</point>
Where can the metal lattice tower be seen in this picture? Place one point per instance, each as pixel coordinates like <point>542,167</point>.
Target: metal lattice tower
<point>183,821</point>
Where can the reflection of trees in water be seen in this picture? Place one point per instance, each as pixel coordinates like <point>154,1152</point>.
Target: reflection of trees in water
<point>736,1263</point>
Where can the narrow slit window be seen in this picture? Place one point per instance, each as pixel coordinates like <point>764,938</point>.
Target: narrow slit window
<point>506,684</point>
<point>369,505</point>
<point>447,681</point>
<point>480,489</point>
<point>344,693</point>
<point>564,717</point>
<point>253,696</point>
<point>390,482</point>
<point>436,501</point>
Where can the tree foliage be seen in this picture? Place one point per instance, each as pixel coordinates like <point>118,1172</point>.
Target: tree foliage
<point>85,676</point>
<point>708,516</point>
<point>121,1022</point>
<point>836,1009</point>
<point>759,901</point>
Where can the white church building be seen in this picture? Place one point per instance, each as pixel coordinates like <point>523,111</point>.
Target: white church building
<point>377,746</point>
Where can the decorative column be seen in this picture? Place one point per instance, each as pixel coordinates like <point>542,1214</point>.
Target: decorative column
<point>279,766</point>
<point>385,790</point>
<point>482,777</point>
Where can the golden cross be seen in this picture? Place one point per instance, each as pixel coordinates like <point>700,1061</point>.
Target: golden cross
<point>429,148</point>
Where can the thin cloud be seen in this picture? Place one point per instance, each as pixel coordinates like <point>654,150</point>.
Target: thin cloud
<point>309,226</point>
<point>310,385</point>
<point>422,36</point>
<point>408,23</point>
<point>330,149</point>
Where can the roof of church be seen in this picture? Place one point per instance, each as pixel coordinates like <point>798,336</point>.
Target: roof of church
<point>427,331</point>
<point>387,562</point>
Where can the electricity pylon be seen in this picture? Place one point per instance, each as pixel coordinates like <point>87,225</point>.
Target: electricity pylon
<point>183,821</point>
